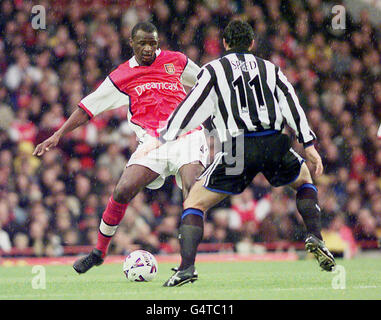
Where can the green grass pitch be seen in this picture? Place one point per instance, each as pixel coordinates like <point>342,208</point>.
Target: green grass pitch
<point>228,281</point>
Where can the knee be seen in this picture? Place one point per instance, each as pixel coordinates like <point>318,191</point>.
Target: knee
<point>189,177</point>
<point>186,188</point>
<point>195,204</point>
<point>187,184</point>
<point>303,178</point>
<point>122,193</point>
<point>302,182</point>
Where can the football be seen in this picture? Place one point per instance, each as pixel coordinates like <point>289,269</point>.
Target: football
<point>140,265</point>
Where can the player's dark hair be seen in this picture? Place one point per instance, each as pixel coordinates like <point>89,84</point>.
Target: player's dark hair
<point>238,34</point>
<point>144,26</point>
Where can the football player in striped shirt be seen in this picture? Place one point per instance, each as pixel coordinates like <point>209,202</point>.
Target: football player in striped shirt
<point>249,100</point>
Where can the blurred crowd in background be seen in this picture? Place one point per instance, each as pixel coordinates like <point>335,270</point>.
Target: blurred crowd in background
<point>57,200</point>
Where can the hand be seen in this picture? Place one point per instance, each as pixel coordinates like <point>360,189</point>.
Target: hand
<point>46,145</point>
<point>313,156</point>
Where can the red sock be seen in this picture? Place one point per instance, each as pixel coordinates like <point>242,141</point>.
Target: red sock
<point>111,218</point>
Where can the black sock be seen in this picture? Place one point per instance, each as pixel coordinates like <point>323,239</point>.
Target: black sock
<point>307,204</point>
<point>191,232</point>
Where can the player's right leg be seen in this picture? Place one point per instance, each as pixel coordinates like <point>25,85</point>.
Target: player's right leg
<point>198,201</point>
<point>134,178</point>
<point>191,229</point>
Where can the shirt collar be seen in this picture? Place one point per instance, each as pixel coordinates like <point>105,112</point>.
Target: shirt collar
<point>134,63</point>
<point>236,50</point>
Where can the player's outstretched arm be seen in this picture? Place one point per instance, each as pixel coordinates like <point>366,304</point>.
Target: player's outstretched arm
<point>77,118</point>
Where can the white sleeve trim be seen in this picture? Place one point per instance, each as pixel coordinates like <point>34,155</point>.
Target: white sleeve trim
<point>106,97</point>
<point>189,75</point>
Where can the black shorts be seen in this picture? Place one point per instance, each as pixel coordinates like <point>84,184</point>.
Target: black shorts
<point>233,170</point>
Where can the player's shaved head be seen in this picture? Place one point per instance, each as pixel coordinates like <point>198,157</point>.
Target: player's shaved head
<point>144,26</point>
<point>144,42</point>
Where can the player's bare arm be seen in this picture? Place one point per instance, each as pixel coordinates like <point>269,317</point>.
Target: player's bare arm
<point>77,118</point>
<point>313,156</point>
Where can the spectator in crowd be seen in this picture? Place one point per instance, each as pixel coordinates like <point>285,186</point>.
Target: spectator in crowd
<point>113,159</point>
<point>339,237</point>
<point>5,242</point>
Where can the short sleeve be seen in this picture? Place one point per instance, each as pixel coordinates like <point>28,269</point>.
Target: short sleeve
<point>189,75</point>
<point>106,97</point>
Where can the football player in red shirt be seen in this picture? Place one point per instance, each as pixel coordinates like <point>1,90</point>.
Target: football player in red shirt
<point>150,84</point>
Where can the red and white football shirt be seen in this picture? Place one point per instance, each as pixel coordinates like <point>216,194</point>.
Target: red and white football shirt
<point>151,93</point>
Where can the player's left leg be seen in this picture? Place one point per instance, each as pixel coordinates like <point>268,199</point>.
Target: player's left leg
<point>289,168</point>
<point>308,207</point>
<point>307,201</point>
<point>134,178</point>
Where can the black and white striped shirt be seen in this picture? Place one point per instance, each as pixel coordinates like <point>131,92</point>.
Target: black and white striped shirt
<point>243,94</point>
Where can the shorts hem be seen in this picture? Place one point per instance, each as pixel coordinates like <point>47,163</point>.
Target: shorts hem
<point>221,191</point>
<point>296,177</point>
<point>144,165</point>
